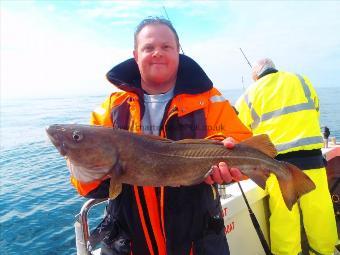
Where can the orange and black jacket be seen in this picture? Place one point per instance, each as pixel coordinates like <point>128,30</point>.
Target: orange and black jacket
<point>166,220</point>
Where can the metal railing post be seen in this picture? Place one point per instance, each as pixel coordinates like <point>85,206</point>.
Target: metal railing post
<point>81,226</point>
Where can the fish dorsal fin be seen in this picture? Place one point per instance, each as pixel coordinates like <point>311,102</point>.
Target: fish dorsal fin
<point>261,143</point>
<point>198,141</point>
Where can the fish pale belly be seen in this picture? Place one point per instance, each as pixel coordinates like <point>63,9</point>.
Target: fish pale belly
<point>86,175</point>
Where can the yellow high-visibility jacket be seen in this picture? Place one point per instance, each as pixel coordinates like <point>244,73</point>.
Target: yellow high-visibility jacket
<point>286,107</point>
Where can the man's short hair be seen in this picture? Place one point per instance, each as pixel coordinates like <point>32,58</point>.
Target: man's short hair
<point>154,20</point>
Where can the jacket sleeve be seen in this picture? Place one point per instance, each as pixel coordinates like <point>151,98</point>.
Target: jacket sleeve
<point>102,114</point>
<point>222,119</point>
<point>94,189</point>
<point>244,112</point>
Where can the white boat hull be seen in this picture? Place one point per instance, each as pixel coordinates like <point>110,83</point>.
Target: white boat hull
<point>241,234</point>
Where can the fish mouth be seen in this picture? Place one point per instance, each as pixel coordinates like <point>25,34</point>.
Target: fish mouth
<point>54,136</point>
<point>62,149</point>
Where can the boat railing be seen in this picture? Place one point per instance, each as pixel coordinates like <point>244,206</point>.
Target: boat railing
<point>81,226</point>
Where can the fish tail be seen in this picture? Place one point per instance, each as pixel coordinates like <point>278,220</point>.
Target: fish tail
<point>296,186</point>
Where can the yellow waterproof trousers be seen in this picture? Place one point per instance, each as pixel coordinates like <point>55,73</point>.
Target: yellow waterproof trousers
<point>318,218</point>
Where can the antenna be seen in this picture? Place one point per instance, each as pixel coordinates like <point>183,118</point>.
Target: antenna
<point>245,58</point>
<point>166,14</point>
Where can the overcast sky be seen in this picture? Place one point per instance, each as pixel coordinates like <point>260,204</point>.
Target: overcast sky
<point>65,48</point>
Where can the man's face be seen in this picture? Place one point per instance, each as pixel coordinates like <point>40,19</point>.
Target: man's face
<point>157,56</point>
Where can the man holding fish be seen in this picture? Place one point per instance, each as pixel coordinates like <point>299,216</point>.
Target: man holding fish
<point>166,94</point>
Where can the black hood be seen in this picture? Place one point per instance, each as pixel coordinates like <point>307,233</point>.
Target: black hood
<point>191,79</point>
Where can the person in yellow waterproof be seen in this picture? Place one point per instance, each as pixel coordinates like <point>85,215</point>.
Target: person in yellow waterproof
<point>286,107</point>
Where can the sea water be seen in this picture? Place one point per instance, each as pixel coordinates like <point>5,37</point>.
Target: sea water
<point>37,202</point>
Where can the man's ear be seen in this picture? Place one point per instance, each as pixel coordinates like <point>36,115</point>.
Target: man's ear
<point>135,55</point>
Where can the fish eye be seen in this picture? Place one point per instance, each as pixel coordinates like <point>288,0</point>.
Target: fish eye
<point>77,136</point>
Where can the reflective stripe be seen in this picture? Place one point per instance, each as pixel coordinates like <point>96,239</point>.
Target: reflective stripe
<point>305,87</point>
<point>254,115</point>
<point>216,99</point>
<point>285,110</point>
<point>246,99</point>
<point>299,142</point>
<point>307,92</point>
<point>288,109</point>
<point>100,110</point>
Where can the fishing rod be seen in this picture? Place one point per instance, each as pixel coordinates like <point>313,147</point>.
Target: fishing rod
<point>244,55</point>
<point>166,14</point>
<point>256,224</point>
<point>251,213</point>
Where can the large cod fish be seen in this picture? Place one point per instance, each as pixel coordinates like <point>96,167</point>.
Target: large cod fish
<point>93,152</point>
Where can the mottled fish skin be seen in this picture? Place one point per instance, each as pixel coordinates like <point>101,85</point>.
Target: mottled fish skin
<point>94,152</point>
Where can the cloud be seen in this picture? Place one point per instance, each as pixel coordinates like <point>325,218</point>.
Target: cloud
<point>135,11</point>
<point>51,48</point>
<point>39,60</point>
<point>112,10</point>
<point>298,37</point>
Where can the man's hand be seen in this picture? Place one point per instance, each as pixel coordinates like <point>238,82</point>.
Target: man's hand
<point>222,173</point>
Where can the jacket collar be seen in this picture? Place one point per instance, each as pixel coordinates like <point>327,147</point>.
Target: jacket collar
<point>191,79</point>
<point>268,71</point>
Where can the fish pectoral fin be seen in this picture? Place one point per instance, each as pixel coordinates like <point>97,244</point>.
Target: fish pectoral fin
<point>115,188</point>
<point>261,143</point>
<point>200,179</point>
<point>296,186</point>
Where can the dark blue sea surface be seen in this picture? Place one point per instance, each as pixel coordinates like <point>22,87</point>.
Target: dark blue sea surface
<point>37,202</point>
